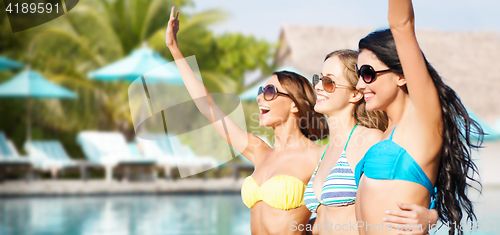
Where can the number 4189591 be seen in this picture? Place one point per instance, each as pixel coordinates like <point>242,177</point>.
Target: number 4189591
<point>32,8</point>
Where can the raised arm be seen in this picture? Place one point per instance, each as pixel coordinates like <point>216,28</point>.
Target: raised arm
<point>423,92</point>
<point>247,144</point>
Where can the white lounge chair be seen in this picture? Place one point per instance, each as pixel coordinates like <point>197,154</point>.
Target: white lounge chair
<point>137,154</point>
<point>157,147</point>
<point>50,155</point>
<point>202,163</point>
<point>110,150</point>
<point>10,158</point>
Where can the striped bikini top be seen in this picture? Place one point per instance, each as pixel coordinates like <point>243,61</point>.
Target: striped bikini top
<point>339,188</point>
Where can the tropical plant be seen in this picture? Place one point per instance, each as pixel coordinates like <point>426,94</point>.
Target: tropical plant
<point>98,32</point>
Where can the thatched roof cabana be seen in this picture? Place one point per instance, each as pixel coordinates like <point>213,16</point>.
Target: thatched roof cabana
<point>469,62</point>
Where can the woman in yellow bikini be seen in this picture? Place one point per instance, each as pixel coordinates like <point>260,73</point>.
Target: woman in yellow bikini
<point>275,191</point>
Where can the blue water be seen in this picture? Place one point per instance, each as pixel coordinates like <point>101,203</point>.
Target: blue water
<point>163,214</point>
<point>124,215</point>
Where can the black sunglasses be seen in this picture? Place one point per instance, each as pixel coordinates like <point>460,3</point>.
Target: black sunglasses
<point>270,92</point>
<point>328,84</point>
<point>367,73</point>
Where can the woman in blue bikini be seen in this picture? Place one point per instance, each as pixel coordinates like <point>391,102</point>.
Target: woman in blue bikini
<point>331,191</point>
<point>425,152</point>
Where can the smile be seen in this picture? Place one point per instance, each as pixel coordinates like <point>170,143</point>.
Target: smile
<point>368,96</point>
<point>321,98</point>
<point>264,110</point>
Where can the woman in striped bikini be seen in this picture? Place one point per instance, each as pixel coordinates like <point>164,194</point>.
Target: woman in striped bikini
<point>331,191</point>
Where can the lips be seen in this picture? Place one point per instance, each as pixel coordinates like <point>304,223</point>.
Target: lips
<point>368,96</point>
<point>264,110</point>
<point>321,98</point>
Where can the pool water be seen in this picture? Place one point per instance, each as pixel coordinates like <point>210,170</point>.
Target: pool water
<point>124,215</point>
<point>180,214</point>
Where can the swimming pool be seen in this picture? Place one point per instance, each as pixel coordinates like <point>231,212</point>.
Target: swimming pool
<point>124,215</point>
<point>180,214</point>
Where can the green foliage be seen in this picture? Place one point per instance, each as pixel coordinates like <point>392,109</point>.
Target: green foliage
<point>98,32</point>
<point>237,53</point>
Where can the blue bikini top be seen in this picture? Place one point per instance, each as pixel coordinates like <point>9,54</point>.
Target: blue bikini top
<point>386,160</point>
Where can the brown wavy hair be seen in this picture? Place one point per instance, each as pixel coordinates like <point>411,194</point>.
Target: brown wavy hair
<point>370,119</point>
<point>312,124</point>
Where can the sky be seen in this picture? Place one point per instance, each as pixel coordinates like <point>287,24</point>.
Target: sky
<point>264,18</point>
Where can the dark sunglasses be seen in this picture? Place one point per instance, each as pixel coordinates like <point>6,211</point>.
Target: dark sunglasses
<point>367,73</point>
<point>270,92</point>
<point>328,84</point>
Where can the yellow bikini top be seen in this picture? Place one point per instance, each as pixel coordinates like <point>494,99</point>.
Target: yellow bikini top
<point>282,192</point>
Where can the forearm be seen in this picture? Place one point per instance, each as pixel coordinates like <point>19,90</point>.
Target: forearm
<point>195,87</point>
<point>175,51</point>
<point>202,98</point>
<point>401,16</point>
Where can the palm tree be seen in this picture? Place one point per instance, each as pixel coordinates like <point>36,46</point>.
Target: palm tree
<point>90,36</point>
<point>98,32</point>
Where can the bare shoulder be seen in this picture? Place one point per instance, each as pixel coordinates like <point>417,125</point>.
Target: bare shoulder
<point>370,135</point>
<point>316,151</point>
<point>363,140</point>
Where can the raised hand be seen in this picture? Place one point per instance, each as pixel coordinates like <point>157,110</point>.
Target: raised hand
<point>172,29</point>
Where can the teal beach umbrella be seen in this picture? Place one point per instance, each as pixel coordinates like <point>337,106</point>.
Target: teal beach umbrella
<point>139,62</point>
<point>30,84</point>
<point>6,64</point>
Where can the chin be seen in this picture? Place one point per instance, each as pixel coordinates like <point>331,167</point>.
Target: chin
<point>368,107</point>
<point>321,108</point>
<point>270,121</point>
<point>373,107</point>
<point>265,123</point>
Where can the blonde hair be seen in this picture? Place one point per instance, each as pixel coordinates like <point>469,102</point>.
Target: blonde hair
<point>312,124</point>
<point>370,119</point>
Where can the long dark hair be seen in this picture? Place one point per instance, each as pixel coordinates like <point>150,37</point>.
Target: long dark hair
<point>456,166</point>
<point>312,124</point>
